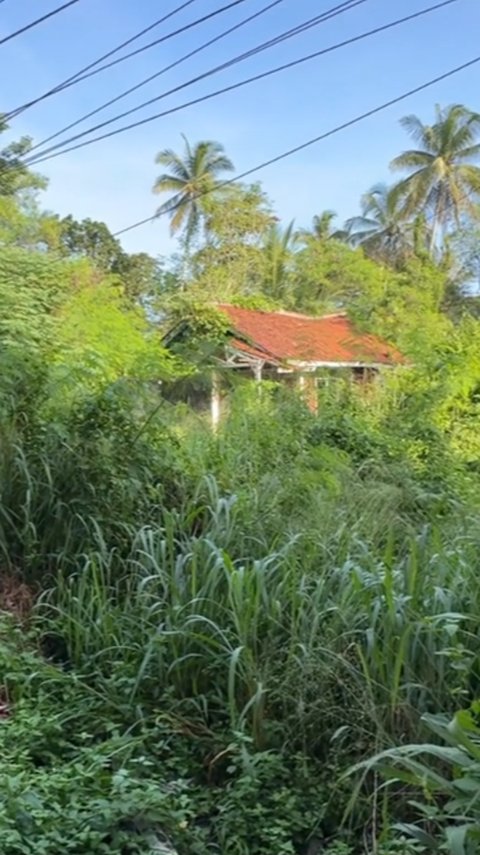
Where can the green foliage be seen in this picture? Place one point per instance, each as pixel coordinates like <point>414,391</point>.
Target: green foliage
<point>384,230</point>
<point>447,778</point>
<point>322,228</point>
<point>284,649</point>
<point>228,646</point>
<point>139,273</point>
<point>199,331</point>
<point>58,320</point>
<point>233,260</point>
<point>465,244</point>
<point>260,302</point>
<point>330,275</point>
<point>242,215</point>
<point>75,777</point>
<point>32,287</point>
<point>405,307</point>
<point>278,254</point>
<point>15,177</point>
<point>72,778</point>
<point>92,352</point>
<point>63,474</point>
<point>201,319</point>
<point>91,239</point>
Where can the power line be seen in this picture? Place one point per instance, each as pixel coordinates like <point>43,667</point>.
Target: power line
<point>110,53</point>
<point>37,21</point>
<point>300,28</point>
<point>344,6</point>
<point>54,152</point>
<point>350,123</point>
<point>327,15</point>
<point>90,70</point>
<point>162,39</point>
<point>166,68</point>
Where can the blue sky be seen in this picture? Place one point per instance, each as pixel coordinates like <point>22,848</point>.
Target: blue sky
<point>112,180</point>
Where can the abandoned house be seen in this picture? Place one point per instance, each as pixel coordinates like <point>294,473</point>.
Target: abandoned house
<point>293,348</point>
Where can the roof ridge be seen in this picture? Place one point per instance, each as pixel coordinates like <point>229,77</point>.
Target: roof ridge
<point>331,315</point>
<point>283,312</point>
<point>286,313</point>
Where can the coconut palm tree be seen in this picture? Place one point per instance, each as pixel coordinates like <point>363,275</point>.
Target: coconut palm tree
<point>189,178</point>
<point>278,248</point>
<point>443,180</point>
<point>384,229</point>
<point>322,228</point>
<point>322,225</point>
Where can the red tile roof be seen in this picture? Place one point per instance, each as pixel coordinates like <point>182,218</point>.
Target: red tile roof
<point>287,337</point>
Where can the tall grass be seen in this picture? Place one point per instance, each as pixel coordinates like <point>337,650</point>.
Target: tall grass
<point>62,479</point>
<point>286,645</point>
<point>291,585</point>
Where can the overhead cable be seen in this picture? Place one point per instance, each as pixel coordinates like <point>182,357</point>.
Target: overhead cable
<point>157,74</point>
<point>293,31</point>
<point>91,69</point>
<point>35,23</point>
<point>65,147</point>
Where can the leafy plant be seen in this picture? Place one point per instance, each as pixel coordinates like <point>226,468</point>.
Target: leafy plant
<point>447,774</point>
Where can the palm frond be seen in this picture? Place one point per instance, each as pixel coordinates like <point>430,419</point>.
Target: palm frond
<point>166,183</point>
<point>412,159</point>
<point>471,152</point>
<point>172,161</point>
<point>415,128</point>
<point>469,176</point>
<point>176,207</point>
<point>360,224</point>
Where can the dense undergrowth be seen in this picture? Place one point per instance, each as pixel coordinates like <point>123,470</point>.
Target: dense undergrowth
<point>226,623</point>
<point>262,640</point>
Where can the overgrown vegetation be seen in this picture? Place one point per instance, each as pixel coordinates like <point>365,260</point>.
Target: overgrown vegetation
<point>225,641</point>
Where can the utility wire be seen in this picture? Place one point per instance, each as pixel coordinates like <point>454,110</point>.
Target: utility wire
<point>162,39</point>
<point>110,53</point>
<point>91,70</point>
<point>329,13</point>
<point>350,123</point>
<point>37,21</point>
<point>300,28</point>
<point>163,70</point>
<point>54,152</point>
